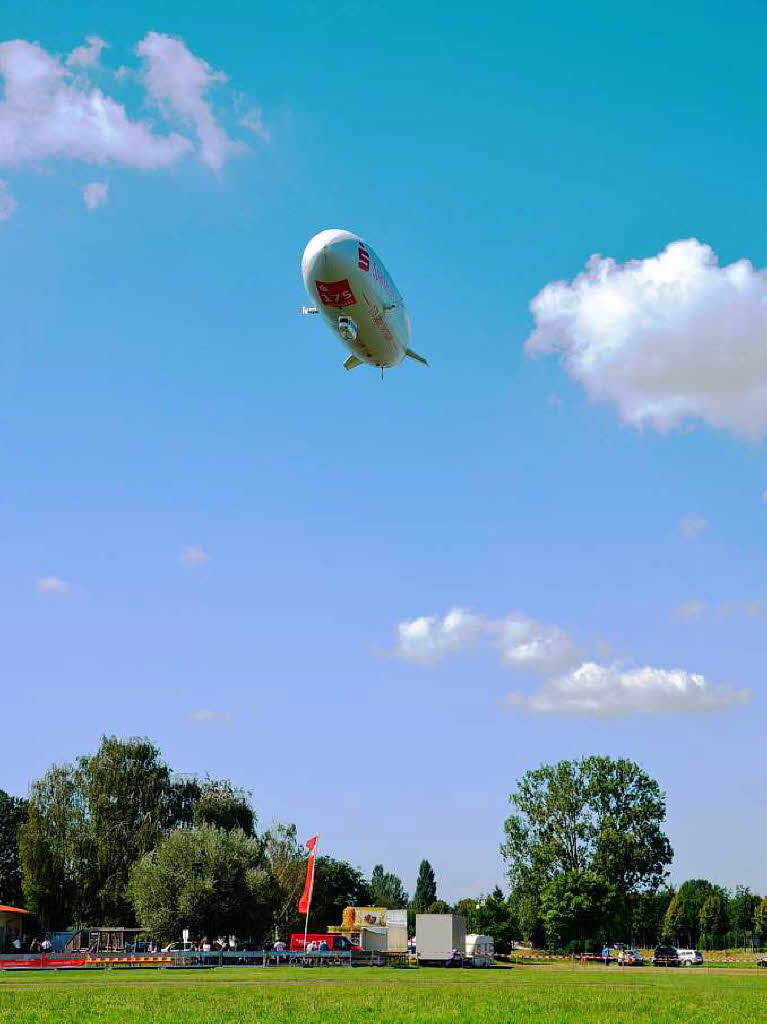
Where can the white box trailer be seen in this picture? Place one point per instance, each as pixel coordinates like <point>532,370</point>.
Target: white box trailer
<point>480,950</point>
<point>440,939</point>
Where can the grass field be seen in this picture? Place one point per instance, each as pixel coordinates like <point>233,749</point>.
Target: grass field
<point>548,995</point>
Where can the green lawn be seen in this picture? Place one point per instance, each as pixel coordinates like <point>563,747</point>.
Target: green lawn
<point>549,995</point>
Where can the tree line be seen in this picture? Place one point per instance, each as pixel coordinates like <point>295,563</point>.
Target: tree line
<point>118,838</point>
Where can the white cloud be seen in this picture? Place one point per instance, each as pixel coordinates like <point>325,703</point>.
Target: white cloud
<point>178,82</point>
<point>8,204</point>
<point>53,586</point>
<point>208,715</point>
<point>253,120</point>
<point>669,339</point>
<point>193,554</point>
<point>692,526</point>
<point>46,112</point>
<point>612,691</point>
<point>87,56</point>
<point>523,642</point>
<point>689,611</point>
<point>570,683</point>
<point>430,639</point>
<point>95,194</point>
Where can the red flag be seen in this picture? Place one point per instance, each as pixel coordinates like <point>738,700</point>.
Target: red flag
<point>306,898</point>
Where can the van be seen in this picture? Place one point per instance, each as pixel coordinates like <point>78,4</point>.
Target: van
<point>335,943</point>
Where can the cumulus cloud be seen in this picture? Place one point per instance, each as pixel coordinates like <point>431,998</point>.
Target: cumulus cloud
<point>46,112</point>
<point>53,586</point>
<point>50,109</point>
<point>87,56</point>
<point>570,683</point>
<point>208,715</point>
<point>692,526</point>
<point>178,82</point>
<point>8,204</point>
<point>611,691</point>
<point>689,611</point>
<point>523,642</point>
<point>193,554</point>
<point>671,339</point>
<point>95,194</point>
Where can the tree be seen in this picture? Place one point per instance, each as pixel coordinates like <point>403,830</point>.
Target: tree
<point>52,845</point>
<point>439,907</point>
<point>494,915</point>
<point>578,905</point>
<point>682,922</point>
<point>595,814</point>
<point>760,919</point>
<point>127,789</point>
<point>672,922</point>
<point>713,916</point>
<point>425,887</point>
<point>336,885</point>
<point>648,912</point>
<point>220,804</point>
<point>286,860</point>
<point>386,889</point>
<point>211,881</point>
<point>13,814</point>
<point>740,909</point>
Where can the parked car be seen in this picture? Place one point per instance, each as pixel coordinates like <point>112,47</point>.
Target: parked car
<point>178,947</point>
<point>690,957</point>
<point>665,956</point>
<point>631,958</point>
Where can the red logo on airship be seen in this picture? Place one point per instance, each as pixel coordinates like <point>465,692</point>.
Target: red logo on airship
<point>335,293</point>
<point>363,259</point>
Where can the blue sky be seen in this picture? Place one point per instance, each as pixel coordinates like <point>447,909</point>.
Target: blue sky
<point>159,392</point>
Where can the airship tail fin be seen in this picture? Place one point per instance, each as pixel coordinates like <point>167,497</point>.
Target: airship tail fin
<point>351,361</point>
<point>414,355</point>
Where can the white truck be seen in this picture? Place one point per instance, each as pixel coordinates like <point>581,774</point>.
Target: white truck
<point>441,941</point>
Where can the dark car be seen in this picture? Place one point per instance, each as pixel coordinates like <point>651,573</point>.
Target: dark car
<point>665,956</point>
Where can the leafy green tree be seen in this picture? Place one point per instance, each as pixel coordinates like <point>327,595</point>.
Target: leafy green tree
<point>286,859</point>
<point>526,905</point>
<point>336,885</point>
<point>211,881</point>
<point>386,889</point>
<point>647,914</point>
<point>220,804</point>
<point>596,814</point>
<point>127,789</point>
<point>439,907</point>
<point>760,919</point>
<point>496,916</point>
<point>52,848</point>
<point>683,916</point>
<point>13,814</point>
<point>578,905</point>
<point>425,888</point>
<point>713,917</point>
<point>673,920</point>
<point>740,911</point>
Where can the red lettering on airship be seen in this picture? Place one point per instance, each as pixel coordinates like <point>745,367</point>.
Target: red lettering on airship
<point>363,259</point>
<point>335,293</point>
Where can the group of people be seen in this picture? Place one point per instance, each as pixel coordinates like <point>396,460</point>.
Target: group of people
<point>220,944</point>
<point>17,943</point>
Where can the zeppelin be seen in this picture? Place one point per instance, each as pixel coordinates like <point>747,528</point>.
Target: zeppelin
<point>352,289</point>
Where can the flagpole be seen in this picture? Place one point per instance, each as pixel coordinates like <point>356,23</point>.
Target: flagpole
<point>311,893</point>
